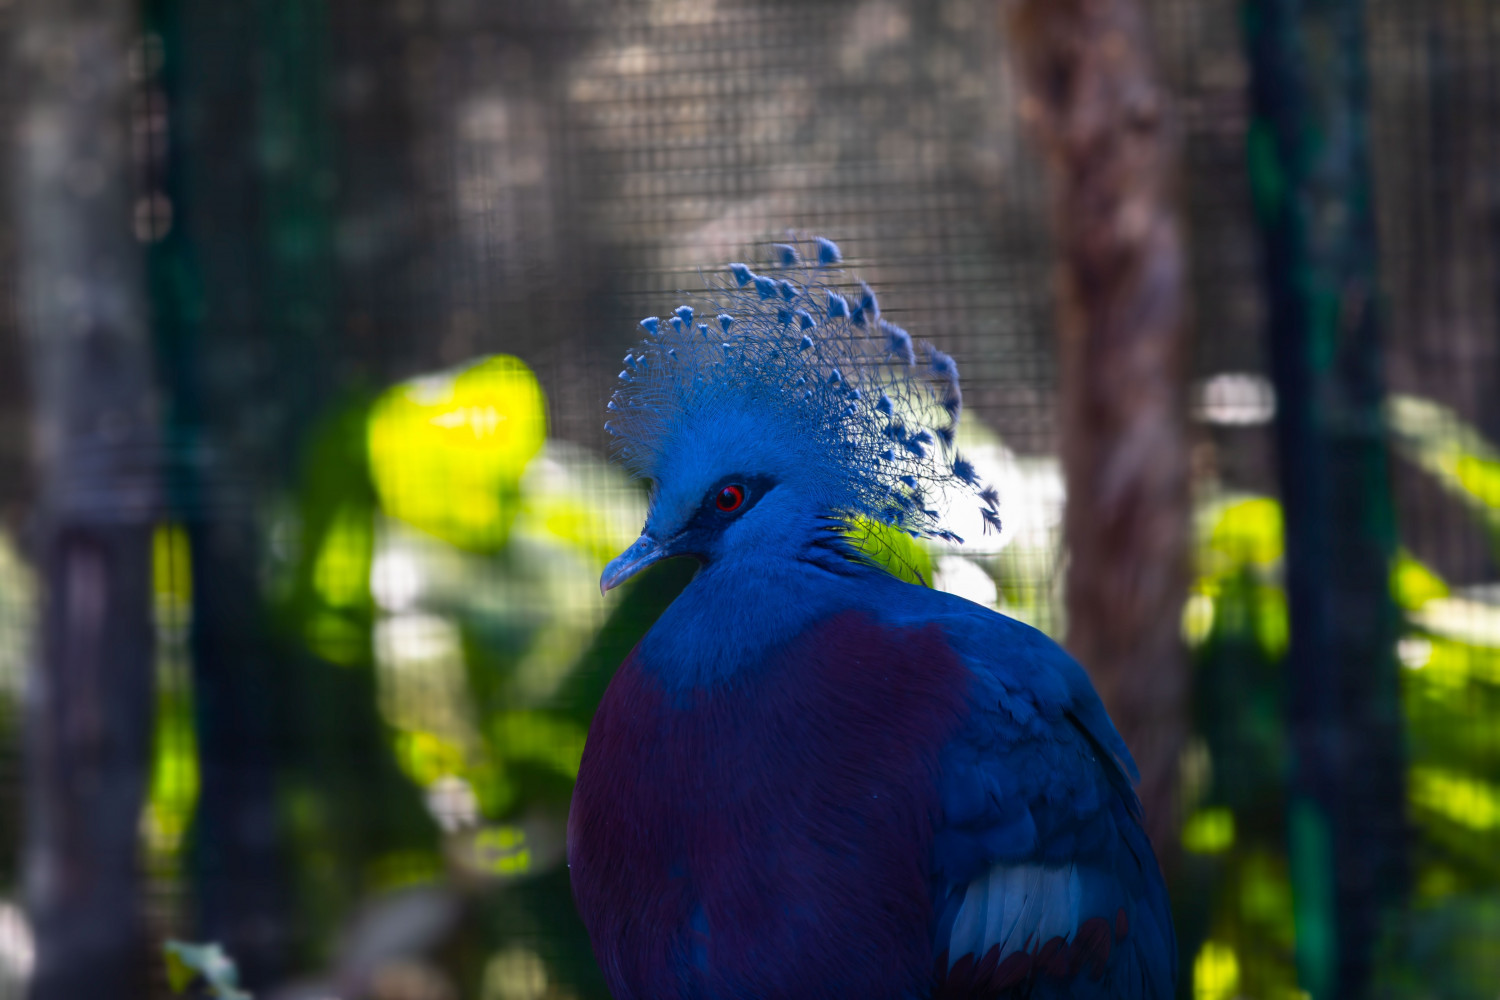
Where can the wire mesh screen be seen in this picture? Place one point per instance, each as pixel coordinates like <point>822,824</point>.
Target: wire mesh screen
<point>1434,108</point>
<point>673,136</point>
<point>395,251</point>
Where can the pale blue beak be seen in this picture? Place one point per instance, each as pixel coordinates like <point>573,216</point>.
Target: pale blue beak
<point>645,551</point>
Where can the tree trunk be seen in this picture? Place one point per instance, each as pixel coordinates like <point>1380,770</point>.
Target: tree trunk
<point>90,704</point>
<point>1310,179</point>
<point>1092,97</point>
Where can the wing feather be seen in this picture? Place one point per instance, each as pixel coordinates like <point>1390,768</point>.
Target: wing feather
<point>968,927</point>
<point>1050,882</point>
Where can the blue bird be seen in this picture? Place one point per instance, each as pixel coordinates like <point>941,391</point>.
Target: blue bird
<point>811,779</point>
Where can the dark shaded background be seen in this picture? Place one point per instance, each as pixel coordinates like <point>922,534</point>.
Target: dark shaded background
<point>350,633</point>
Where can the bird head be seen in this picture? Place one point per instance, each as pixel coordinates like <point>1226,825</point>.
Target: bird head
<point>781,410</point>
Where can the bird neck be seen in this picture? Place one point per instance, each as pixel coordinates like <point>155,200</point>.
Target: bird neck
<point>737,610</point>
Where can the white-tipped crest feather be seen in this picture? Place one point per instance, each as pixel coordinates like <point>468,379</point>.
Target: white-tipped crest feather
<point>805,352</point>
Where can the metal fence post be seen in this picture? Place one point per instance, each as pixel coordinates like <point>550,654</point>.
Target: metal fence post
<point>1311,185</point>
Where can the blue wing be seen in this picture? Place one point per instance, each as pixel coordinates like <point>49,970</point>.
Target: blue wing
<point>1044,881</point>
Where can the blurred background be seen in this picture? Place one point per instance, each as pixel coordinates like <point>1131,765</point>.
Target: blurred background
<point>309,310</point>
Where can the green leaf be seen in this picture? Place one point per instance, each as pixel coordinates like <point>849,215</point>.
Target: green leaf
<point>1455,454</point>
<point>447,451</point>
<point>187,962</point>
<point>180,974</point>
<point>1413,583</point>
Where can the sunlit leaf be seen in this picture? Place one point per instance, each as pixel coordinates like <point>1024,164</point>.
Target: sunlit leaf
<point>1243,532</point>
<point>1458,798</point>
<point>171,574</point>
<point>1413,584</point>
<point>1266,896</point>
<point>537,736</point>
<point>174,770</point>
<point>503,850</point>
<point>1272,622</point>
<point>336,638</point>
<point>1434,438</point>
<point>1197,619</point>
<point>427,756</point>
<point>174,782</point>
<point>1209,831</point>
<point>341,570</point>
<point>1216,972</point>
<point>447,451</point>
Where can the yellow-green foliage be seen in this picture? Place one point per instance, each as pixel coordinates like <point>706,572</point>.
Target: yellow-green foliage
<point>205,963</point>
<point>447,451</point>
<point>1238,588</point>
<point>1450,657</point>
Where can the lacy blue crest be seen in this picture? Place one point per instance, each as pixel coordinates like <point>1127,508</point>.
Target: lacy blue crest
<point>805,350</point>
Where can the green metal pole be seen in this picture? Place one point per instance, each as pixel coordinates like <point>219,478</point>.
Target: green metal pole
<point>1311,185</point>
<point>207,316</point>
<point>253,324</point>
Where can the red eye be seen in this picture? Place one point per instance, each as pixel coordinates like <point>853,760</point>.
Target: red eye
<point>730,498</point>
